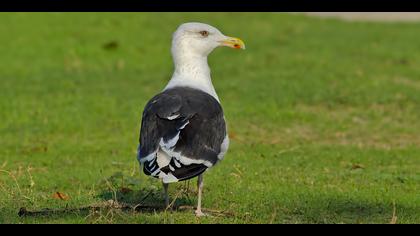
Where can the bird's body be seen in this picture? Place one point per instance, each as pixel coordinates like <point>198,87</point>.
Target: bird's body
<point>183,131</point>
<point>184,134</point>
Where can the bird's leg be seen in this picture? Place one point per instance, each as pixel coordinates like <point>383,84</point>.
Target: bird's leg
<point>198,212</point>
<point>165,188</point>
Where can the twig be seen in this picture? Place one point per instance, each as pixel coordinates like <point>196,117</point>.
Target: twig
<point>32,184</point>
<point>173,201</point>
<point>394,216</point>
<point>206,210</point>
<point>238,170</point>
<point>142,200</point>
<point>23,212</point>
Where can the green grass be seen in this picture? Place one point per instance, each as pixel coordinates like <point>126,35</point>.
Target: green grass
<point>324,117</point>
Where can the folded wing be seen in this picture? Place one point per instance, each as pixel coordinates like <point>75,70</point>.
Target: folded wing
<point>185,126</point>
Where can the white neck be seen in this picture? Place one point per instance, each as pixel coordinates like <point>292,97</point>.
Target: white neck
<point>192,71</point>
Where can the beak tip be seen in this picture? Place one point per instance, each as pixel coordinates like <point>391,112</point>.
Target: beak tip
<point>233,43</point>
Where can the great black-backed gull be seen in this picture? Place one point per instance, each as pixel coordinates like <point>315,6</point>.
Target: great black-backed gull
<point>183,130</point>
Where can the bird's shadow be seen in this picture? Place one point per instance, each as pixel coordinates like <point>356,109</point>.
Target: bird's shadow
<point>145,200</point>
<point>149,199</point>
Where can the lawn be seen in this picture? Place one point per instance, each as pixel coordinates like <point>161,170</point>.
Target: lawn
<point>323,115</point>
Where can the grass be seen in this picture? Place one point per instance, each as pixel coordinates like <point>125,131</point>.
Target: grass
<point>323,116</point>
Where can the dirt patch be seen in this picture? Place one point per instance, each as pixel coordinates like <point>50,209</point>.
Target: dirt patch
<point>370,16</point>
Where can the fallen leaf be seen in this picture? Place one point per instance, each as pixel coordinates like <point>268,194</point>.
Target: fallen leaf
<point>357,166</point>
<point>61,196</point>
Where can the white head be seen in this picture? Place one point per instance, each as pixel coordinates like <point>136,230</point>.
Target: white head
<point>191,44</point>
<point>198,39</point>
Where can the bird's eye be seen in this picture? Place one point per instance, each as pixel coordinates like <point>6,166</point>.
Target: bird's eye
<point>204,33</point>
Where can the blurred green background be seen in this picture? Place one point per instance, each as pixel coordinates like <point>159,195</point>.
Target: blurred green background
<point>323,117</point>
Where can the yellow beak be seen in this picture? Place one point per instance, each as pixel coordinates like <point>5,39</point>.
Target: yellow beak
<point>233,43</point>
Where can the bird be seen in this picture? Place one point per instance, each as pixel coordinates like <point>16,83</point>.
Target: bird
<point>183,128</point>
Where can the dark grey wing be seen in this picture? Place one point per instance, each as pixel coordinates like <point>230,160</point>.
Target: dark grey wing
<point>161,119</point>
<point>186,124</point>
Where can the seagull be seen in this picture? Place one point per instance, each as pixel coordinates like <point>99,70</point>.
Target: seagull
<point>183,129</point>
